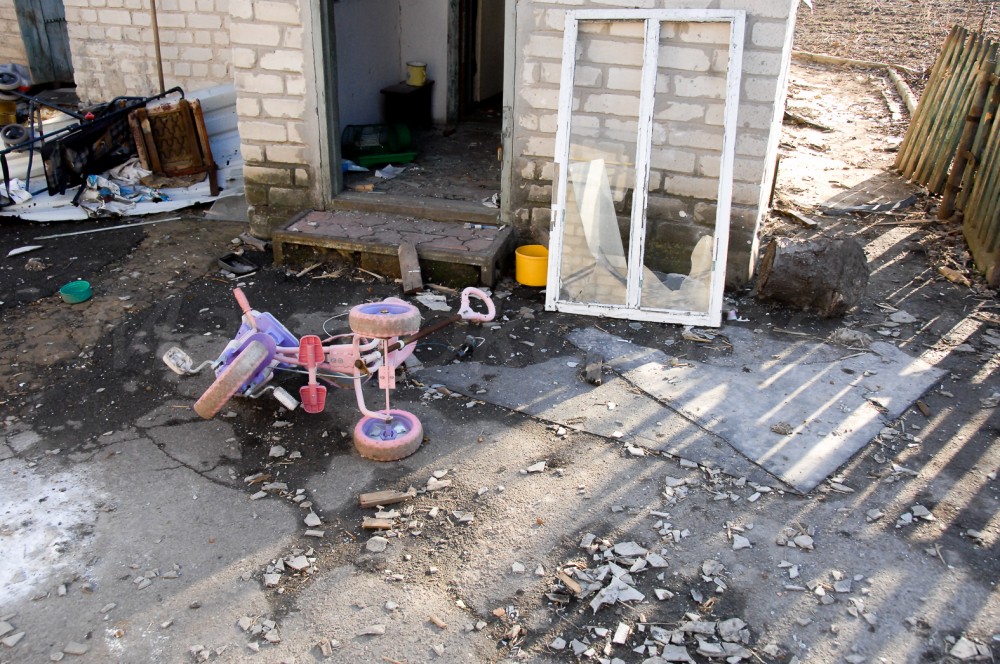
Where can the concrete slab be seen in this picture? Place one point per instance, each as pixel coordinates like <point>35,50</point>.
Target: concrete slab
<point>799,409</point>
<point>553,391</point>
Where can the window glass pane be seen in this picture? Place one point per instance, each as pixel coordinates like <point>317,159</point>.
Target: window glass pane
<point>687,142</point>
<point>601,172</point>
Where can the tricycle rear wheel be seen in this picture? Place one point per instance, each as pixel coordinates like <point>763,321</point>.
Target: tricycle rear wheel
<point>232,378</point>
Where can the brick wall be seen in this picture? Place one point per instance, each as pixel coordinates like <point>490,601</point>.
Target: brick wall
<point>11,44</point>
<point>113,46</point>
<point>280,144</point>
<point>687,131</point>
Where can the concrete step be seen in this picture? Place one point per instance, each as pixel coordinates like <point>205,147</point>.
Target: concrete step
<point>374,237</point>
<point>435,209</point>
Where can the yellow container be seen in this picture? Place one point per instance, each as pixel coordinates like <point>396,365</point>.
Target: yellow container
<point>531,265</point>
<point>416,73</point>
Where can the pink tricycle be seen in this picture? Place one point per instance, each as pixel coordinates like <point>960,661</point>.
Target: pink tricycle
<point>383,335</point>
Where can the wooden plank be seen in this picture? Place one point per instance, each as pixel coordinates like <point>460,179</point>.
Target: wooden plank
<point>570,583</point>
<point>371,523</point>
<point>409,268</point>
<point>368,500</point>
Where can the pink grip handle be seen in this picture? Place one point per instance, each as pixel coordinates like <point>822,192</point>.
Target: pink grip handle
<point>467,312</point>
<point>242,300</point>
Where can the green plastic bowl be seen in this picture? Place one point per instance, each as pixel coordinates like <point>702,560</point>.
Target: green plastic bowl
<point>76,292</point>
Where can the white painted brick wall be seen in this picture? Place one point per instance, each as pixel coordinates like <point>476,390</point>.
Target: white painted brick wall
<point>11,44</point>
<point>112,46</point>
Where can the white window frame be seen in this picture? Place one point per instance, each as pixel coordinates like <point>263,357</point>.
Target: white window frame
<point>631,309</point>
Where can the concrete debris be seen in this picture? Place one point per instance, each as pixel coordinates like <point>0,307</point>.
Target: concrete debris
<point>517,568</point>
<point>245,623</point>
<point>434,484</point>
<point>540,570</point>
<point>463,517</point>
<point>376,544</point>
<point>662,594</point>
<point>741,542</point>
<point>874,515</point>
<point>536,467</point>
<point>578,647</point>
<point>312,520</point>
<point>964,649</point>
<point>373,630</point>
<point>629,549</point>
<point>621,634</point>
<point>5,628</point>
<point>12,640</point>
<point>277,451</point>
<point>74,648</point>
<point>803,542</point>
<point>314,533</point>
<point>438,649</point>
<point>673,653</point>
<point>298,563</point>
<point>558,643</point>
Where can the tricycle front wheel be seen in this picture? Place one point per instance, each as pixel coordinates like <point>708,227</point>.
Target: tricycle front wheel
<point>379,439</point>
<point>232,378</point>
<point>383,320</point>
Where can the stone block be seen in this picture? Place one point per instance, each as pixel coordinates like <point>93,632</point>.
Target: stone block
<point>704,87</point>
<point>284,108</point>
<point>262,84</point>
<point>770,34</point>
<point>543,46</point>
<point>254,34</point>
<point>267,132</point>
<point>277,12</point>
<point>267,175</point>
<point>203,21</point>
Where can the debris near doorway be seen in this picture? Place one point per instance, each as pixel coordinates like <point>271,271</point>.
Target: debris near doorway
<point>828,276</point>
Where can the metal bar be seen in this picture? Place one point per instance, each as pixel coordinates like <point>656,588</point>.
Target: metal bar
<point>108,228</point>
<point>156,44</point>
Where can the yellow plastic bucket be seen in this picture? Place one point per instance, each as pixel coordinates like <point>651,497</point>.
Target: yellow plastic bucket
<point>531,265</point>
<point>416,73</point>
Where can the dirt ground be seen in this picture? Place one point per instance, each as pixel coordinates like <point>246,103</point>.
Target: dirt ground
<point>129,528</point>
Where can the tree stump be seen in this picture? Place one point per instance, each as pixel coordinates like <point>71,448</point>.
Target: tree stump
<point>826,276</point>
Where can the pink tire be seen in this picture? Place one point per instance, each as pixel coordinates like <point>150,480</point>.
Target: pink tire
<point>379,440</point>
<point>384,320</point>
<point>232,378</point>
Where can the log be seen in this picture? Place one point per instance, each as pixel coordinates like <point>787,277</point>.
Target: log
<point>825,276</point>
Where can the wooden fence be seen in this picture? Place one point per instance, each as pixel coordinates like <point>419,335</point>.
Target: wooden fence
<point>952,146</point>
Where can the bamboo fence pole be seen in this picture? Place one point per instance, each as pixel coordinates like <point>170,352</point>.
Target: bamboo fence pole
<point>947,108</point>
<point>957,121</point>
<point>908,149</point>
<point>983,133</point>
<point>905,93</point>
<point>947,206</point>
<point>823,59</point>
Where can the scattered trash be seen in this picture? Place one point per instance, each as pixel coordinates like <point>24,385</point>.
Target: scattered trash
<point>23,250</point>
<point>389,172</point>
